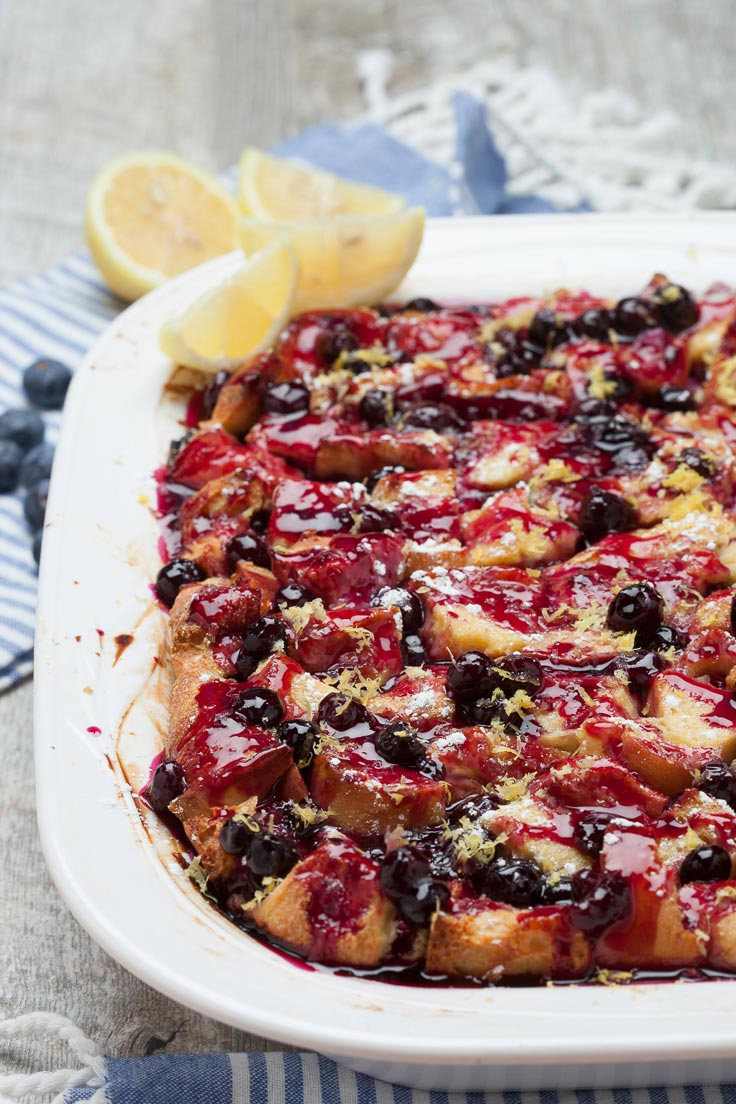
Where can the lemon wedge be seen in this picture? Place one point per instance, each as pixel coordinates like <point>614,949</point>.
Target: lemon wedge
<point>276,190</point>
<point>346,261</point>
<point>237,319</point>
<point>151,215</point>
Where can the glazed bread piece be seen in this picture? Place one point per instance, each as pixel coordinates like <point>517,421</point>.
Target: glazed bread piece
<point>366,795</point>
<point>330,908</point>
<point>497,941</point>
<point>233,605</point>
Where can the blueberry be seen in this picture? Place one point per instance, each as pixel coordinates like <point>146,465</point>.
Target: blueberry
<point>173,576</point>
<point>437,416</point>
<point>375,520</point>
<point>487,711</point>
<point>36,546</point>
<point>473,807</point>
<point>640,667</point>
<point>46,382</point>
<point>259,639</point>
<point>506,338</point>
<point>399,743</point>
<point>356,366</point>
<point>34,503</point>
<point>259,706</point>
<point>616,434</point>
<point>301,737</point>
<point>250,548</point>
<point>36,464</point>
<point>589,831</point>
<point>666,638</point>
<point>11,457</point>
<point>674,307</point>
<point>167,783</point>
<point>557,893</point>
<point>521,360</point>
<point>699,461</point>
<point>422,304</point>
<point>408,605</point>
<point>516,882</point>
<point>718,780</point>
<point>471,677</point>
<point>263,635</point>
<point>547,328</point>
<point>518,672</point>
<point>258,522</point>
<point>596,323</point>
<point>332,342</point>
<point>632,459</point>
<point>617,387</point>
<point>406,879</point>
<point>236,836</point>
<point>632,316</point>
<point>286,398</point>
<point>342,712</point>
<point>412,650</point>
<point>376,407</point>
<point>593,411</point>
<point>484,711</point>
<point>300,826</point>
<point>709,863</point>
<point>25,427</point>
<point>292,594</point>
<point>600,899</point>
<point>637,607</point>
<point>675,398</point>
<point>212,391</point>
<point>271,857</point>
<point>603,512</point>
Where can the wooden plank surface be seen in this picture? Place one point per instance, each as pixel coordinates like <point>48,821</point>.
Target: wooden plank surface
<point>80,82</point>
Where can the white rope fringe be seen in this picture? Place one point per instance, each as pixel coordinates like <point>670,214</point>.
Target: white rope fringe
<point>92,1073</point>
<point>598,148</point>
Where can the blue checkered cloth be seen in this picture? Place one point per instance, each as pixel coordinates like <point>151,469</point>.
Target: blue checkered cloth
<point>59,314</point>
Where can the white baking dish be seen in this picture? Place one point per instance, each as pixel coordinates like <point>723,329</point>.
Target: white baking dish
<point>101,714</point>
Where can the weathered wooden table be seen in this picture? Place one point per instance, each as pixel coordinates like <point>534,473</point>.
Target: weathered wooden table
<point>80,82</point>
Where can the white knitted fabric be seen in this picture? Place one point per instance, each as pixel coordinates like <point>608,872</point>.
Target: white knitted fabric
<point>598,148</point>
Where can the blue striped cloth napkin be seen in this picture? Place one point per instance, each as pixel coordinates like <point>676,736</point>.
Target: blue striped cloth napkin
<point>286,1078</point>
<point>273,1078</point>
<point>59,313</point>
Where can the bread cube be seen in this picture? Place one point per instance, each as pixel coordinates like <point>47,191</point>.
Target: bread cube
<point>330,908</point>
<point>364,640</point>
<point>344,453</point>
<point>533,829</point>
<point>492,942</point>
<point>506,531</point>
<point>365,794</point>
<point>240,401</point>
<point>344,568</point>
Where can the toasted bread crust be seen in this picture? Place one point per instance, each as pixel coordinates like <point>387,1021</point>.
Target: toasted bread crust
<point>299,914</point>
<point>493,943</point>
